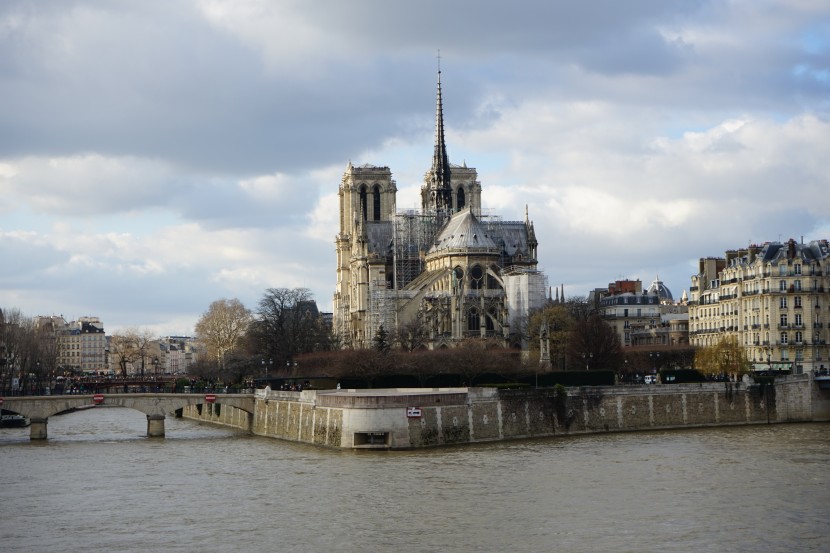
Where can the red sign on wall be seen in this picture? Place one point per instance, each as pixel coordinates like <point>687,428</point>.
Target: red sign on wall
<point>210,398</point>
<point>97,399</point>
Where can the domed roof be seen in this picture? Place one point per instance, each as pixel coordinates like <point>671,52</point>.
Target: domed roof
<point>658,288</point>
<point>463,232</point>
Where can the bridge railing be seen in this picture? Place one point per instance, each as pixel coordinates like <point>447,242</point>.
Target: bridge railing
<point>120,388</point>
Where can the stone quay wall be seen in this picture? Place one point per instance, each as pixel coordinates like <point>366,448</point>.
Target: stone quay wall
<point>415,418</point>
<point>219,414</point>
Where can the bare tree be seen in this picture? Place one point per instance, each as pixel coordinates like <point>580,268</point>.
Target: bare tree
<point>560,321</point>
<point>412,334</point>
<point>144,341</point>
<point>46,364</point>
<point>124,349</point>
<point>594,343</point>
<point>28,356</point>
<point>221,328</point>
<point>288,324</point>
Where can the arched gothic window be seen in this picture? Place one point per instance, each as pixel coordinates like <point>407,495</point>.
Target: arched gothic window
<point>460,200</point>
<point>376,206</point>
<point>363,206</point>
<point>476,278</point>
<point>473,322</point>
<point>490,320</point>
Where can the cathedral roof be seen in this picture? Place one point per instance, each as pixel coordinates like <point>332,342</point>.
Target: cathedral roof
<point>511,236</point>
<point>464,232</point>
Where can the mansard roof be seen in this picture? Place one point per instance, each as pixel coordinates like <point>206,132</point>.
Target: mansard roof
<point>813,251</point>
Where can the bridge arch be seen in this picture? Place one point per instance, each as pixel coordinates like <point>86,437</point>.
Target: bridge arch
<point>156,407</point>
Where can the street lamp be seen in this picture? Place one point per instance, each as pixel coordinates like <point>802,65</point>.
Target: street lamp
<point>587,357</point>
<point>266,365</point>
<point>655,356</point>
<point>288,366</point>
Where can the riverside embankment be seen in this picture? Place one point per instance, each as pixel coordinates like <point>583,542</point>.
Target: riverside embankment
<point>415,418</point>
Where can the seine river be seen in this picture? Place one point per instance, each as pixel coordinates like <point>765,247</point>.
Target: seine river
<point>99,485</point>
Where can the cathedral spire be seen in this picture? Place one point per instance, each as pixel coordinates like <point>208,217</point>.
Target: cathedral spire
<point>439,176</point>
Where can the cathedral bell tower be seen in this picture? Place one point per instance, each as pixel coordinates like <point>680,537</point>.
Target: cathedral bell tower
<point>367,207</point>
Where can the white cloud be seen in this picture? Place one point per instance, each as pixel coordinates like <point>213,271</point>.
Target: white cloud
<point>82,185</point>
<point>156,157</point>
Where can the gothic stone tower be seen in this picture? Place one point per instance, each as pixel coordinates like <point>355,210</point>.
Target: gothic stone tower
<point>367,212</point>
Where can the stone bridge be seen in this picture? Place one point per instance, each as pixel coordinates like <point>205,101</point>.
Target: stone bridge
<point>38,409</point>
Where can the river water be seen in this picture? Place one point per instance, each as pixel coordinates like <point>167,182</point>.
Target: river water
<point>98,485</point>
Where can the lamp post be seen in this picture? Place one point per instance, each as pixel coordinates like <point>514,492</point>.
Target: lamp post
<point>266,365</point>
<point>655,357</point>
<point>288,365</point>
<point>587,357</point>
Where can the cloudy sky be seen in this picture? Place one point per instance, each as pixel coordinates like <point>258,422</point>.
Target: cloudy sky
<point>157,156</point>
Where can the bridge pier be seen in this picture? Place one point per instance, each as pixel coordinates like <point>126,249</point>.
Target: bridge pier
<point>155,426</point>
<point>37,428</point>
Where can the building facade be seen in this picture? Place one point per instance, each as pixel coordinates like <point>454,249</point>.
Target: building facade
<point>773,298</point>
<point>435,276</point>
<point>81,345</point>
<point>643,318</point>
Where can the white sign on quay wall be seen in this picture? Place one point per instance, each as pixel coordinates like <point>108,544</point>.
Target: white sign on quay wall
<point>413,412</point>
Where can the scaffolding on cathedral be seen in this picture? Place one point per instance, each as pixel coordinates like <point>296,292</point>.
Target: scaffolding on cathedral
<point>526,291</point>
<point>415,233</point>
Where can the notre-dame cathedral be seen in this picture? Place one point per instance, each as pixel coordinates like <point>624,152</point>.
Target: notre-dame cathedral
<point>435,276</point>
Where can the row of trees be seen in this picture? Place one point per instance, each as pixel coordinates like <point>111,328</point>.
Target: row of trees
<point>286,325</point>
<point>578,338</point>
<point>472,362</point>
<point>28,354</point>
<point>133,349</point>
<point>239,342</point>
